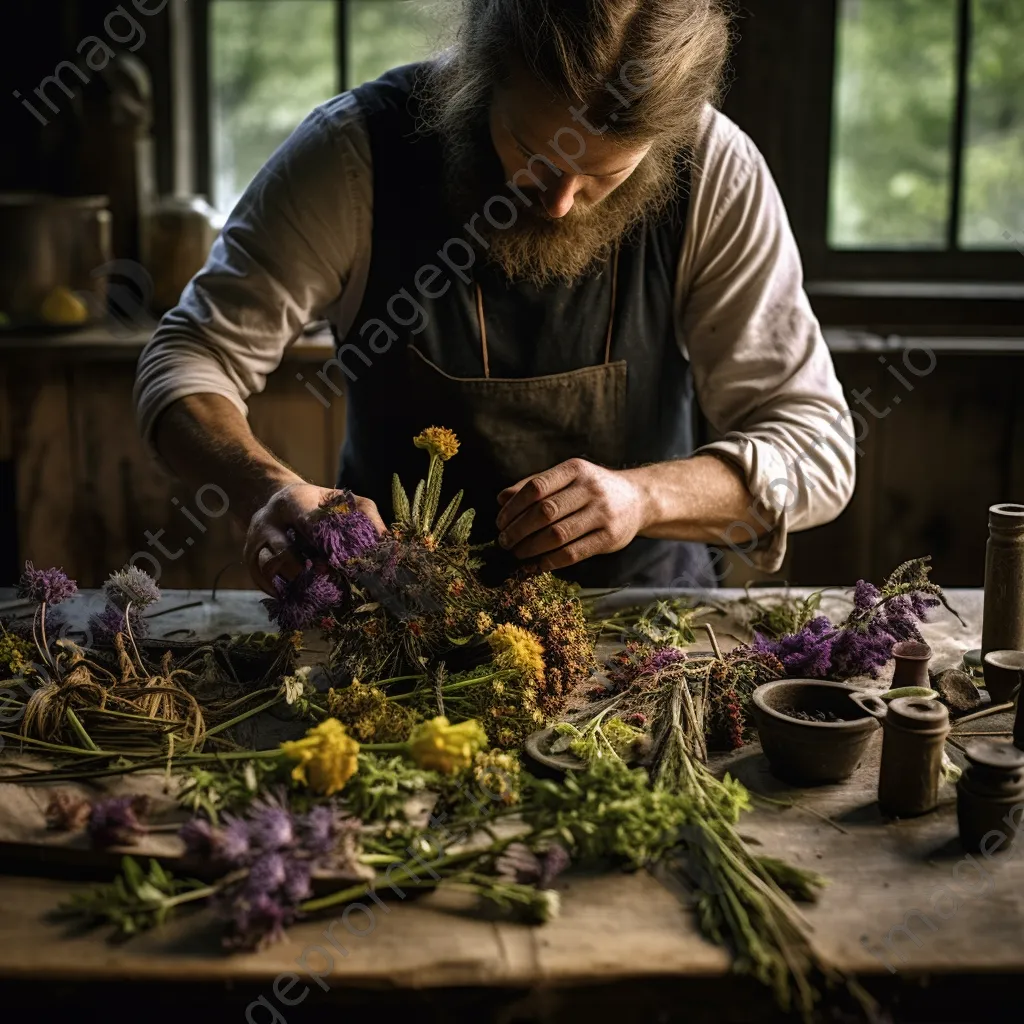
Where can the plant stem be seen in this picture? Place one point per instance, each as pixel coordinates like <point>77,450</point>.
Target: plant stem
<point>80,730</point>
<point>244,715</point>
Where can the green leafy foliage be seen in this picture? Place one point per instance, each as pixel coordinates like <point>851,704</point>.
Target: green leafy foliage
<point>138,899</point>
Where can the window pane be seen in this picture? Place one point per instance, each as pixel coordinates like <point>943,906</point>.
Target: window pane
<point>271,62</point>
<point>892,124</point>
<point>993,193</point>
<point>385,34</point>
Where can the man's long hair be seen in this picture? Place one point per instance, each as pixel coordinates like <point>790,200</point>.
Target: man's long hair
<point>645,70</point>
<point>672,53</point>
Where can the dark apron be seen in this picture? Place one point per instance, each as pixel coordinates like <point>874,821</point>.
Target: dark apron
<point>527,377</point>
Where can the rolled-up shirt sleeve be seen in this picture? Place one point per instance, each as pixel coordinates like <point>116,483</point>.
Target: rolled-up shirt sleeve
<point>283,259</point>
<point>762,371</point>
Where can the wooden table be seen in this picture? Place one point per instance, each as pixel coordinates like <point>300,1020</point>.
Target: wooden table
<point>904,907</point>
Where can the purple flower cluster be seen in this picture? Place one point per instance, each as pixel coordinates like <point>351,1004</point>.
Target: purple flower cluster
<point>278,851</point>
<point>341,532</point>
<point>302,601</point>
<point>860,646</point>
<point>46,585</point>
<point>105,625</point>
<point>338,535</point>
<point>115,821</point>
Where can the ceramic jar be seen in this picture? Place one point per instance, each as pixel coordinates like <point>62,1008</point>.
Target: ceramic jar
<point>987,794</point>
<point>914,732</point>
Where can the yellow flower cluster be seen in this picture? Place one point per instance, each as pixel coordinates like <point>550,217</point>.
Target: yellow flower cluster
<point>497,774</point>
<point>517,648</point>
<point>436,745</point>
<point>438,441</point>
<point>327,757</point>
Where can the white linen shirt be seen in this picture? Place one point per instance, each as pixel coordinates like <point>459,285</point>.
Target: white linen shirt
<point>297,248</point>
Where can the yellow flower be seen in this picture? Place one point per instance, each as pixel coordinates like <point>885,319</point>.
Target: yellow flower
<point>439,441</point>
<point>484,623</point>
<point>327,757</point>
<point>517,648</point>
<point>436,745</point>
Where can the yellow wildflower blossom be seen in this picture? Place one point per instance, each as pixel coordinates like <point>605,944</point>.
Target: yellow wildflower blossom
<point>327,757</point>
<point>484,623</point>
<point>438,441</point>
<point>436,745</point>
<point>517,648</point>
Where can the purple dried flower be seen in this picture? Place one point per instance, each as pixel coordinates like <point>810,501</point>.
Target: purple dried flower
<point>105,625</point>
<point>197,835</point>
<point>318,830</point>
<point>271,826</point>
<point>301,601</point>
<point>232,842</point>
<point>131,585</point>
<point>266,875</point>
<point>115,820</point>
<point>661,659</point>
<point>256,921</point>
<point>340,531</point>
<point>46,585</point>
<point>806,654</point>
<point>865,596</point>
<point>297,880</point>
<point>555,860</point>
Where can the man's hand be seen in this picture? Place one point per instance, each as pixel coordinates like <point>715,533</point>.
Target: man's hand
<point>267,550</point>
<point>571,512</point>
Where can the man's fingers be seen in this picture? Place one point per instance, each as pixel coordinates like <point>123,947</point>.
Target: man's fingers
<point>550,517</point>
<point>263,539</point>
<point>558,535</point>
<point>537,487</point>
<point>369,509</point>
<point>595,543</point>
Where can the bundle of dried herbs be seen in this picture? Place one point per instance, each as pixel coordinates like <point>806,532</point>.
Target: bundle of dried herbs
<point>860,645</point>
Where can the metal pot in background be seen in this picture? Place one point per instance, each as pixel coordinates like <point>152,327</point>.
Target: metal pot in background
<point>52,251</point>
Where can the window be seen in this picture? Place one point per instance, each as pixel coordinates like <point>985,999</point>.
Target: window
<point>269,62</point>
<point>928,125</point>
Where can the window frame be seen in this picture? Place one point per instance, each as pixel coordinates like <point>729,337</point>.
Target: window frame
<point>784,58</point>
<point>201,81</point>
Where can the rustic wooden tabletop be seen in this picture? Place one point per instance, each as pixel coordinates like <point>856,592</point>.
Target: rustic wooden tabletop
<point>904,903</point>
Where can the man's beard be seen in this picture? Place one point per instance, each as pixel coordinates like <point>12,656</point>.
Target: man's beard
<point>541,249</point>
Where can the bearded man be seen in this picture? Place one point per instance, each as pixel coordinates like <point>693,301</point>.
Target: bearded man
<point>546,239</point>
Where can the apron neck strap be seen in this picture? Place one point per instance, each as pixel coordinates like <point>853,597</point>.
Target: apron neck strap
<point>608,335</point>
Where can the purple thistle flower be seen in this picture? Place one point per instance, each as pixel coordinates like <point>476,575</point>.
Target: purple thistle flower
<point>115,821</point>
<point>271,826</point>
<point>46,585</point>
<point>256,922</point>
<point>297,884</point>
<point>341,532</point>
<point>232,843</point>
<point>266,875</point>
<point>197,835</point>
<point>105,625</point>
<point>301,601</point>
<point>131,585</point>
<point>318,830</point>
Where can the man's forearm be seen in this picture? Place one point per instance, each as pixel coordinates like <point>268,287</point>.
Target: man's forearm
<point>205,439</point>
<point>696,499</point>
